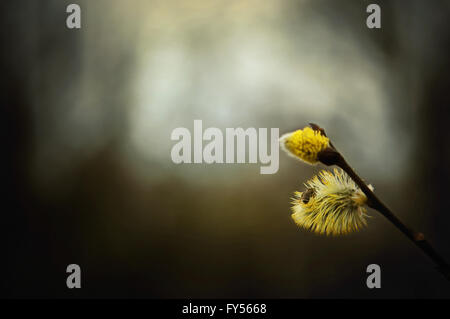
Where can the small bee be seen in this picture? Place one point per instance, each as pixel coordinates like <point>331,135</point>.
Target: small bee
<point>306,195</point>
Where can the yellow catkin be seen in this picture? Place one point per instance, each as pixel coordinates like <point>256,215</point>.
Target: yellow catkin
<point>304,144</point>
<point>334,204</point>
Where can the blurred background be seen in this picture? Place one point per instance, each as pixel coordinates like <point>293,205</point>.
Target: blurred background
<point>87,120</point>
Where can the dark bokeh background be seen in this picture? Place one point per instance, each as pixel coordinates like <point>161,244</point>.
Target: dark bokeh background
<point>86,145</point>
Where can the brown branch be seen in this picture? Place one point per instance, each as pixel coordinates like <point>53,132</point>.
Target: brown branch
<point>374,202</point>
<point>331,156</point>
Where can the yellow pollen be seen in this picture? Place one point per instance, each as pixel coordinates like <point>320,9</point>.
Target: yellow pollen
<point>305,144</point>
<point>334,205</point>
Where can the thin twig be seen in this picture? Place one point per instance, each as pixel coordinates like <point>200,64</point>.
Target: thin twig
<point>374,202</point>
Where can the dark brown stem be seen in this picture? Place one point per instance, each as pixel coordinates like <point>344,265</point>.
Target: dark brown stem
<point>417,238</point>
